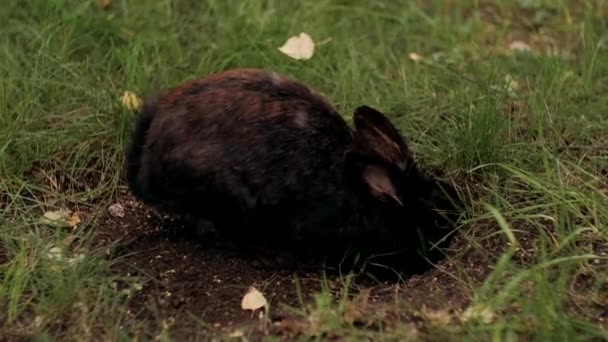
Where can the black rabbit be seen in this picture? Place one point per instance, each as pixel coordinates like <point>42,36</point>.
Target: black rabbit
<point>269,163</point>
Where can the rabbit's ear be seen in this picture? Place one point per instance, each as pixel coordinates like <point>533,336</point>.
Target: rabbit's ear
<point>380,183</point>
<point>374,174</point>
<point>377,135</point>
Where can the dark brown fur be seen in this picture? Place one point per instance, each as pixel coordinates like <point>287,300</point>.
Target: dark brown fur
<point>246,148</point>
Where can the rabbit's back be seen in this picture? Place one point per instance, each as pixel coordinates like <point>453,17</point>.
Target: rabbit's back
<point>236,141</point>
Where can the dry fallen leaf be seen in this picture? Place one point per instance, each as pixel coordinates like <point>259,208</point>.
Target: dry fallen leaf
<point>130,101</point>
<point>236,334</point>
<point>511,82</point>
<point>55,253</point>
<point>299,47</point>
<point>518,45</point>
<point>511,85</point>
<point>437,317</point>
<point>116,210</point>
<point>57,215</point>
<point>73,220</point>
<point>60,218</point>
<point>104,4</point>
<point>478,312</point>
<point>414,56</point>
<point>75,260</point>
<point>253,300</point>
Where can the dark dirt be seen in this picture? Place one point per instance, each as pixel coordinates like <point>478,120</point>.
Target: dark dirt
<point>195,291</point>
<point>189,282</point>
<point>188,278</point>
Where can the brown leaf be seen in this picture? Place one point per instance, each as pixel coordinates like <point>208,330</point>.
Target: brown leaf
<point>437,317</point>
<point>104,4</point>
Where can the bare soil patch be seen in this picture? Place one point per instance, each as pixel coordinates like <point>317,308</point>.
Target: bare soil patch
<point>189,282</point>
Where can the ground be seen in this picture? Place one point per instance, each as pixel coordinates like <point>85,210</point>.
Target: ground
<point>505,99</point>
<point>183,278</point>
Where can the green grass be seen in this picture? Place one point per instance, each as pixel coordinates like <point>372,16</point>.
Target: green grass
<point>538,171</point>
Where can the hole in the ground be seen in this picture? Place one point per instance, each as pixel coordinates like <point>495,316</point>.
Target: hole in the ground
<point>178,272</point>
<point>368,262</point>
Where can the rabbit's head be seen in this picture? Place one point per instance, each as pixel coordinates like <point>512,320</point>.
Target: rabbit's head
<point>380,163</point>
<point>380,156</point>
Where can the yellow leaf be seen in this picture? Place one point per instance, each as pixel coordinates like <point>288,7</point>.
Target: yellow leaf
<point>478,312</point>
<point>73,220</point>
<point>60,218</point>
<point>253,300</point>
<point>568,16</point>
<point>55,268</point>
<point>512,84</point>
<point>299,47</point>
<point>130,101</point>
